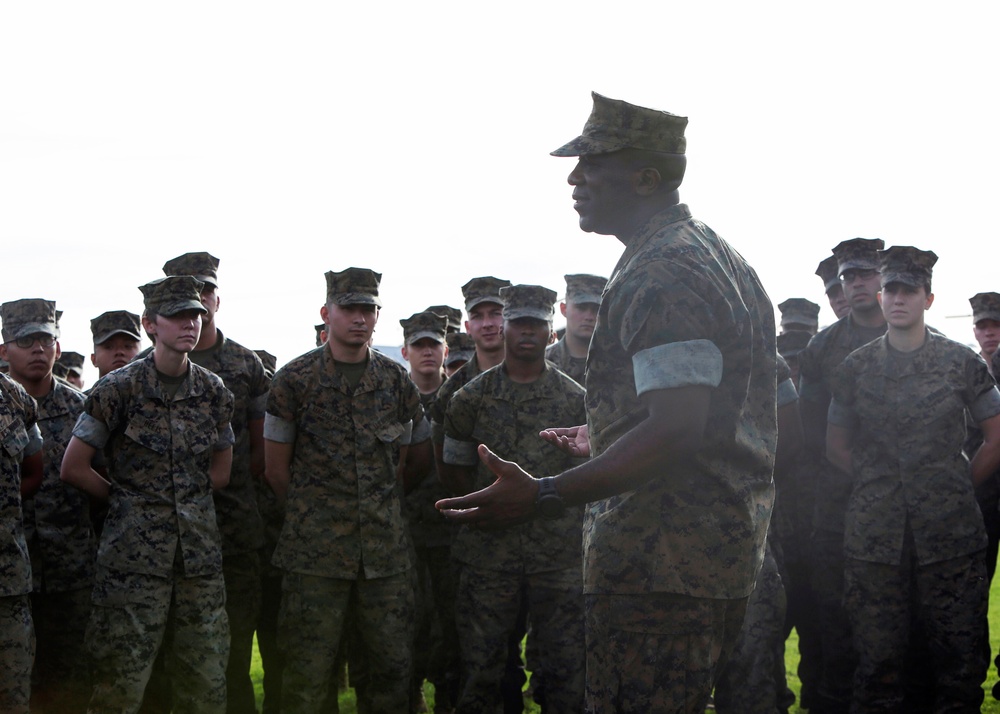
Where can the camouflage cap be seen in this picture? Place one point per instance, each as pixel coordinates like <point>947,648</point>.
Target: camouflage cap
<point>71,362</point>
<point>452,314</point>
<point>792,342</point>
<point>203,266</point>
<point>30,316</point>
<point>354,286</point>
<point>484,289</point>
<point>858,254</point>
<point>424,324</point>
<point>116,322</point>
<point>614,125</point>
<point>461,347</point>
<point>320,328</point>
<point>583,288</point>
<point>906,264</point>
<point>828,273</point>
<point>269,360</point>
<point>799,311</point>
<point>173,294</point>
<point>985,306</point>
<point>528,301</point>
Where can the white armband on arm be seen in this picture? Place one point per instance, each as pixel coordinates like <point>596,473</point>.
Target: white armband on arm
<point>406,436</point>
<point>460,453</point>
<point>421,432</point>
<point>787,393</point>
<point>677,364</point>
<point>278,429</point>
<point>226,438</point>
<point>34,441</point>
<point>986,405</point>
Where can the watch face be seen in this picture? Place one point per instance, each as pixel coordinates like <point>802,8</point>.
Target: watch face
<point>551,507</point>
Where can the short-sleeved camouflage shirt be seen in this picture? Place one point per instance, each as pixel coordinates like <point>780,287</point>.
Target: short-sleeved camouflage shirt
<point>158,452</point>
<point>57,522</point>
<point>683,308</point>
<point>242,372</point>
<point>575,367</point>
<point>19,437</point>
<point>343,507</point>
<point>494,410</point>
<point>907,414</point>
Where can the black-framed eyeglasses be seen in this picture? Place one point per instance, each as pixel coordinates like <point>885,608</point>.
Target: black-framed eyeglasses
<point>25,342</point>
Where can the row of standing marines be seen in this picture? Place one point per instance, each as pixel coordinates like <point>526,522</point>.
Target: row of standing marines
<point>195,496</point>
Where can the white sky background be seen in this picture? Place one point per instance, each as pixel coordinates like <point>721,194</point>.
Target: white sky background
<point>293,138</point>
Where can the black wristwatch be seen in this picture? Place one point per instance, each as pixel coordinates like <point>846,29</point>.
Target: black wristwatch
<point>548,503</point>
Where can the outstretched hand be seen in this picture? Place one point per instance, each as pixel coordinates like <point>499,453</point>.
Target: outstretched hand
<point>574,440</point>
<point>506,502</point>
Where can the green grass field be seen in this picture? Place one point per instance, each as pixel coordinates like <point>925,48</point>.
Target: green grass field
<point>990,705</point>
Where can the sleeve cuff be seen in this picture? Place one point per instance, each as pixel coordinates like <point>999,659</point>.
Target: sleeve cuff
<point>421,432</point>
<point>842,416</point>
<point>677,364</point>
<point>986,405</point>
<point>787,393</point>
<point>226,438</point>
<point>91,431</point>
<point>34,441</point>
<point>278,429</point>
<point>460,453</point>
<point>406,437</point>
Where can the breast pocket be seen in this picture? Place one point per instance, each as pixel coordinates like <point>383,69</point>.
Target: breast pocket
<point>152,434</point>
<point>201,436</point>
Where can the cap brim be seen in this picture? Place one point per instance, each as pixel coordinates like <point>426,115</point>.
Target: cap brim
<point>986,315</point>
<point>463,355</point>
<point>914,281</point>
<point>33,328</point>
<point>172,308</point>
<point>582,146</point>
<point>495,299</point>
<point>534,312</point>
<point>356,299</point>
<point>856,265</point>
<point>100,340</point>
<point>436,336</point>
<point>585,299</point>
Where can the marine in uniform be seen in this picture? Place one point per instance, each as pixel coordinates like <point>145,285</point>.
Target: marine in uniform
<point>505,408</point>
<point>116,340</point>
<point>163,423</point>
<point>69,366</point>
<point>240,522</point>
<point>461,349</point>
<point>913,535</point>
<point>828,272</point>
<point>20,473</point>
<point>57,523</point>
<point>858,268</point>
<point>799,315</point>
<point>680,391</point>
<point>583,300</point>
<point>336,418</point>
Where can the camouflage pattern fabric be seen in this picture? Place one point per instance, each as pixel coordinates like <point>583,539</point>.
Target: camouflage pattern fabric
<point>18,438</point>
<point>343,510</point>
<point>428,528</point>
<point>488,606</point>
<point>678,287</point>
<point>240,523</point>
<point>315,614</point>
<point>657,653</point>
<point>558,354</point>
<point>746,684</point>
<point>908,417</point>
<point>541,556</point>
<point>949,598</point>
<point>507,416</point>
<point>17,653</point>
<point>438,408</point>
<point>131,612</point>
<point>159,455</point>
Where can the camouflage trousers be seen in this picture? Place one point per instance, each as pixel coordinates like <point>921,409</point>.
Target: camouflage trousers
<point>943,604</point>
<point>748,683</point>
<point>17,653</point>
<point>836,679</point>
<point>315,614</point>
<point>658,652</point>
<point>60,681</point>
<point>242,573</point>
<point>131,615</point>
<point>486,612</point>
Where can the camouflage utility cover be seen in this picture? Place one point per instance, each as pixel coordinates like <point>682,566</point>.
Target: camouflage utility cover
<point>31,316</point>
<point>614,124</point>
<point>203,266</point>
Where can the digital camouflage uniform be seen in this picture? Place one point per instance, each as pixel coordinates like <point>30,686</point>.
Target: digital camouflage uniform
<point>558,354</point>
<point>753,679</point>
<point>62,545</point>
<point>913,534</point>
<point>344,535</point>
<point>580,289</point>
<point>817,363</point>
<point>681,308</point>
<point>240,522</point>
<point>542,556</point>
<point>19,438</point>
<point>159,562</point>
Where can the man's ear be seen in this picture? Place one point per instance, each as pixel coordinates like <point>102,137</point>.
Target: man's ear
<point>646,181</point>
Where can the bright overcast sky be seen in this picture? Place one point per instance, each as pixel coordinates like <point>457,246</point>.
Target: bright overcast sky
<point>293,138</point>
